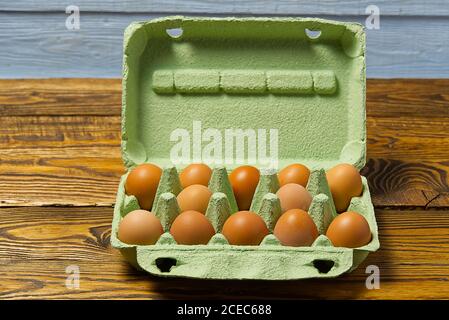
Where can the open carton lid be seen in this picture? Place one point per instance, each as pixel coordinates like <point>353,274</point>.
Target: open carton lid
<point>231,91</point>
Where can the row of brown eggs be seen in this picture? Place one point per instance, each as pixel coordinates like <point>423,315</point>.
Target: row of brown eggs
<point>344,182</point>
<point>293,228</point>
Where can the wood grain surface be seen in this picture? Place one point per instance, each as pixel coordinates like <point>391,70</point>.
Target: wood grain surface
<point>38,244</point>
<point>37,44</point>
<point>283,7</point>
<point>58,135</point>
<point>60,165</point>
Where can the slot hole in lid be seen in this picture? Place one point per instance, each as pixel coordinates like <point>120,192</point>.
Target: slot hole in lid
<point>323,266</point>
<point>165,264</point>
<point>313,34</point>
<point>175,33</point>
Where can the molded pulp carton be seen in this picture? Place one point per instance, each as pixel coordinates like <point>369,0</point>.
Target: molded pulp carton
<point>303,77</point>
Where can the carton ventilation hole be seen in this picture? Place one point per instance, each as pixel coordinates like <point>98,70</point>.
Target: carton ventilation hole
<point>175,33</point>
<point>165,264</point>
<point>313,34</point>
<point>323,266</point>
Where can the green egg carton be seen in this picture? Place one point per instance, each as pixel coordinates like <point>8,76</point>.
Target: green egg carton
<point>302,80</point>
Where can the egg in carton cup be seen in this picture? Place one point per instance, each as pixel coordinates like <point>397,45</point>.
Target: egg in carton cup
<point>245,73</point>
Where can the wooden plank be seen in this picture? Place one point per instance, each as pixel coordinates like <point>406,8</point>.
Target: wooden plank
<point>49,97</point>
<point>392,98</point>
<point>411,98</point>
<point>386,99</point>
<point>49,158</point>
<point>408,184</point>
<point>40,46</point>
<point>38,244</point>
<point>408,143</point>
<point>60,160</point>
<point>270,7</point>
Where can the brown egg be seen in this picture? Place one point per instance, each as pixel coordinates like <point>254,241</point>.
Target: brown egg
<point>294,196</point>
<point>350,229</point>
<point>294,173</point>
<point>196,173</point>
<point>245,228</point>
<point>140,227</point>
<point>142,182</point>
<point>345,182</point>
<point>296,228</point>
<point>244,182</point>
<point>192,227</point>
<point>195,197</point>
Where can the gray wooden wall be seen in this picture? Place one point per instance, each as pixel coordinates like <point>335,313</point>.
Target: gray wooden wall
<point>412,41</point>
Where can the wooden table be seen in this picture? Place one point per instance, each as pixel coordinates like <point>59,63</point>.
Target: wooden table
<point>60,165</point>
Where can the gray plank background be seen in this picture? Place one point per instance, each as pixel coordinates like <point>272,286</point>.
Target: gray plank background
<point>412,42</point>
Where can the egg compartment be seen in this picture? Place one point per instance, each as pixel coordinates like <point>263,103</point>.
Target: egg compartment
<point>220,260</point>
<point>185,74</point>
